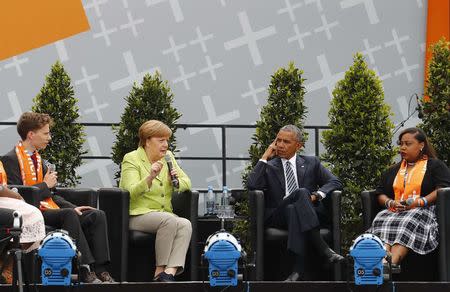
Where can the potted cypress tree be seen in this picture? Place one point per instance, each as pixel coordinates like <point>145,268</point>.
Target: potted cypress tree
<point>57,98</point>
<point>151,100</point>
<point>436,116</point>
<point>358,143</point>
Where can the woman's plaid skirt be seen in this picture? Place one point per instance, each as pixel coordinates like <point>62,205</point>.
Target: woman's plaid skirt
<point>416,229</point>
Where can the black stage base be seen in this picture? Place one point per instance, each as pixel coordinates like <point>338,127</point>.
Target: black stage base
<point>244,287</point>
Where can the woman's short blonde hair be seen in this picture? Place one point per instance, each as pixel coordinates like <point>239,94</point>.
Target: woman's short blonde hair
<point>153,128</point>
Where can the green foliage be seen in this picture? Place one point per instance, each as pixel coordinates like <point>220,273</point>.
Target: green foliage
<point>285,105</point>
<point>57,99</point>
<point>358,144</point>
<point>152,100</point>
<point>436,119</point>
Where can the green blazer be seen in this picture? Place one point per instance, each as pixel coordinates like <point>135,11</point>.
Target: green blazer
<point>143,199</point>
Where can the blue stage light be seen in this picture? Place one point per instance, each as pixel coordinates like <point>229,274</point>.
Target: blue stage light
<point>223,252</point>
<point>57,251</point>
<point>368,252</point>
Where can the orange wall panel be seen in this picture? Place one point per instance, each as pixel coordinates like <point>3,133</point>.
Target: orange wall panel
<point>29,24</point>
<point>438,26</point>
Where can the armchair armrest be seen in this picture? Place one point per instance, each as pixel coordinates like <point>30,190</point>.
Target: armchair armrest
<point>443,217</point>
<point>370,207</point>
<point>115,203</point>
<point>29,193</point>
<point>336,197</point>
<point>256,212</point>
<point>185,205</point>
<point>79,196</point>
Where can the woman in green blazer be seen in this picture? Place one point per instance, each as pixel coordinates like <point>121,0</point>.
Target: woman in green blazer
<point>145,174</point>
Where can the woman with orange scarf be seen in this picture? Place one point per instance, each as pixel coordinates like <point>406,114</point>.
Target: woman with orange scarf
<point>408,191</point>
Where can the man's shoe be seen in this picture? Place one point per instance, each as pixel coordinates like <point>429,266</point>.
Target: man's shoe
<point>333,257</point>
<point>106,278</point>
<point>164,277</point>
<point>295,276</point>
<point>89,277</point>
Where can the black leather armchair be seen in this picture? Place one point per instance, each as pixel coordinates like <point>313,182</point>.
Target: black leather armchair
<point>77,196</point>
<point>132,252</point>
<point>434,266</point>
<point>262,237</point>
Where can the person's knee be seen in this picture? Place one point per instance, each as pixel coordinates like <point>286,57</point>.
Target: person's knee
<point>299,193</point>
<point>184,225</point>
<point>303,192</point>
<point>98,214</point>
<point>69,214</point>
<point>70,219</point>
<point>170,223</point>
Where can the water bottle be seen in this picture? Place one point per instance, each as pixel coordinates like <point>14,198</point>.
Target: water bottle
<point>225,197</point>
<point>210,201</point>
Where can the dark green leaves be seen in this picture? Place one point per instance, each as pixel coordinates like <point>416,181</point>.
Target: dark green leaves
<point>57,98</point>
<point>358,143</point>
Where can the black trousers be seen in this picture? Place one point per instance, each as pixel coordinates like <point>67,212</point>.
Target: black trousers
<point>89,231</point>
<point>298,215</point>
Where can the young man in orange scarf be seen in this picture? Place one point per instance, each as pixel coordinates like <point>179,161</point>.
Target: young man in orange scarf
<point>85,224</point>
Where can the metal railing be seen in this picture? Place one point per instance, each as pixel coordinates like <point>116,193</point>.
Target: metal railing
<point>223,127</point>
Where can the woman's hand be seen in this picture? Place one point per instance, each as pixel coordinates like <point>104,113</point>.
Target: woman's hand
<point>154,171</point>
<point>173,172</point>
<point>396,206</point>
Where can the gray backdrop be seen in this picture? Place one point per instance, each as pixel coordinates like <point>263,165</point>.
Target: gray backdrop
<point>218,56</point>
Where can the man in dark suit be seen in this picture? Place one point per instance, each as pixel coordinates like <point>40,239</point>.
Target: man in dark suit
<point>85,224</point>
<point>294,186</point>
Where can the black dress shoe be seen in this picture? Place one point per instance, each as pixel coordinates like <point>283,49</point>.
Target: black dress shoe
<point>332,257</point>
<point>164,277</point>
<point>295,276</point>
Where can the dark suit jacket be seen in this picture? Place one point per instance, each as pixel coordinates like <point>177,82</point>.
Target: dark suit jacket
<point>270,178</point>
<point>12,169</point>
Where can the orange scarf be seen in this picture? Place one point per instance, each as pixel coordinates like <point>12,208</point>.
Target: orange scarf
<point>32,176</point>
<point>3,178</point>
<point>407,183</point>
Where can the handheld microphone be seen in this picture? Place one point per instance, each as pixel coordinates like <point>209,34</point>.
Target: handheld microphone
<point>173,178</point>
<point>419,107</point>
